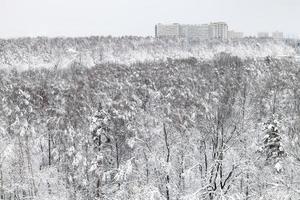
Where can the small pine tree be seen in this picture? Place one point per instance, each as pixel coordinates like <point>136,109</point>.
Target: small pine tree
<point>272,142</point>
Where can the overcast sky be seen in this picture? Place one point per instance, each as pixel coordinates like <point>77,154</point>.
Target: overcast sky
<point>137,17</point>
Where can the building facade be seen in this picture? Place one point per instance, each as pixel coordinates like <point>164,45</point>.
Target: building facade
<point>235,35</point>
<point>277,35</point>
<point>263,35</point>
<point>203,32</point>
<point>219,30</point>
<point>167,30</point>
<point>200,32</point>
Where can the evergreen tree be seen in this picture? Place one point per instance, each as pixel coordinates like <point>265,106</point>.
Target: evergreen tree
<point>272,145</point>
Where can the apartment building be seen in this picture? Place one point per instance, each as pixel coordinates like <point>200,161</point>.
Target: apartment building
<point>235,35</point>
<point>167,30</point>
<point>262,34</point>
<point>219,30</point>
<point>200,32</point>
<point>277,35</point>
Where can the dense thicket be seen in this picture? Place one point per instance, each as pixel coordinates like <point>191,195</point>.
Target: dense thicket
<point>182,129</point>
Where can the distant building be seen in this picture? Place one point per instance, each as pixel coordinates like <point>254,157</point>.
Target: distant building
<point>263,35</point>
<point>219,30</point>
<point>200,32</point>
<point>167,30</point>
<point>277,35</point>
<point>204,32</point>
<point>235,35</point>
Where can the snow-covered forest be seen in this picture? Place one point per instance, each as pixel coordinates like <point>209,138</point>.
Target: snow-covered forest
<point>146,119</point>
<point>30,53</point>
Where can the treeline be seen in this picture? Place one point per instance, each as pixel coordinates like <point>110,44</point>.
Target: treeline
<point>29,53</point>
<point>181,129</point>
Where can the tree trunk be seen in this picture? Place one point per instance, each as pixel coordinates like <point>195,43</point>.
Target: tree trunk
<point>117,159</point>
<point>168,161</point>
<point>1,184</point>
<point>49,148</point>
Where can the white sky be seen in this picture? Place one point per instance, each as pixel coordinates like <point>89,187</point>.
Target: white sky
<point>137,17</point>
